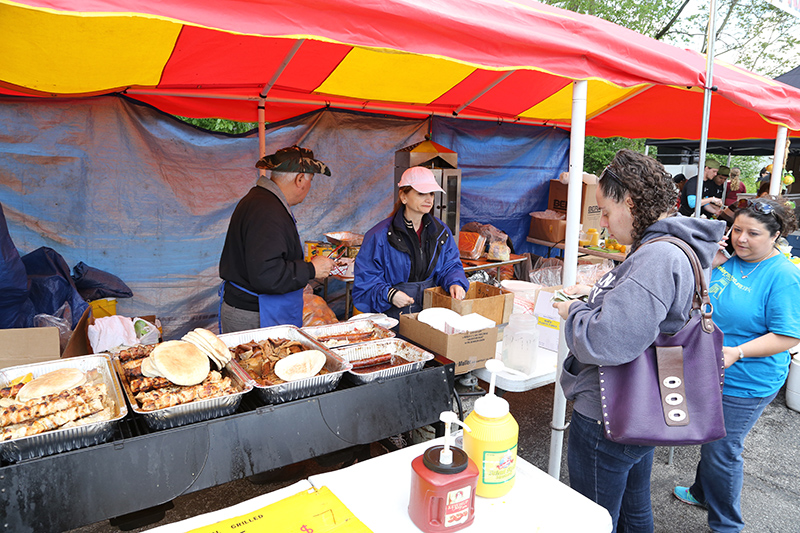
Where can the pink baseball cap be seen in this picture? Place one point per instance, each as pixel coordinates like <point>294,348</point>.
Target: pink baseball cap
<point>420,179</point>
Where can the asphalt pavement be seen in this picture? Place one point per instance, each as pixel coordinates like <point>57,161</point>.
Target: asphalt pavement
<point>770,498</point>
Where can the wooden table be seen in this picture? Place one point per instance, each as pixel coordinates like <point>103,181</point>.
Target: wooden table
<point>614,256</point>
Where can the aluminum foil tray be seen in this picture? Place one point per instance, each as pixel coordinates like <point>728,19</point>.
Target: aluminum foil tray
<point>196,411</point>
<point>292,390</point>
<point>342,328</point>
<point>62,440</point>
<point>404,349</point>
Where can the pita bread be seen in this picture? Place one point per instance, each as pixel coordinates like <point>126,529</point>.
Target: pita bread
<point>148,370</point>
<point>52,383</point>
<point>181,362</point>
<point>300,365</point>
<point>219,347</point>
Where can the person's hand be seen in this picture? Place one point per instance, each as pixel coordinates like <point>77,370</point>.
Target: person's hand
<point>322,266</point>
<point>722,255</point>
<point>401,299</point>
<point>457,292</point>
<point>563,307</point>
<point>731,355</point>
<point>578,289</point>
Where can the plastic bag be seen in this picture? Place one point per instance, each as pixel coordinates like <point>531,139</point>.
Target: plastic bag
<point>547,272</point>
<point>316,311</point>
<point>63,322</point>
<point>146,333</point>
<point>471,245</point>
<point>589,273</point>
<point>93,283</point>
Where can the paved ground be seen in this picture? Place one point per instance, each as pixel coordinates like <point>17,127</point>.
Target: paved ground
<point>771,495</point>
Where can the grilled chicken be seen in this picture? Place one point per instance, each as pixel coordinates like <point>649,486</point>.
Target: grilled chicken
<point>48,405</point>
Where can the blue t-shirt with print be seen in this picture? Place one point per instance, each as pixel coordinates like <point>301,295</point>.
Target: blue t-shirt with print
<point>750,300</point>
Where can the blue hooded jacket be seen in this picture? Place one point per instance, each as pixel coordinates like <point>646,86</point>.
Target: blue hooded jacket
<point>384,261</point>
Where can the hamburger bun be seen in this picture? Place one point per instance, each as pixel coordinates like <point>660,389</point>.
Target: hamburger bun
<point>300,365</point>
<point>180,362</point>
<point>52,383</point>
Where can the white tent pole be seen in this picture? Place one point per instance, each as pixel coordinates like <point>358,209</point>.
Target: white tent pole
<point>707,91</point>
<point>777,161</point>
<point>570,269</point>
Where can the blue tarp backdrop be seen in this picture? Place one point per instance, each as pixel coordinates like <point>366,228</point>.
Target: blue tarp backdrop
<point>137,193</point>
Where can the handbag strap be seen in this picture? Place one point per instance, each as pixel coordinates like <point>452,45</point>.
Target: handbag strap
<point>700,301</point>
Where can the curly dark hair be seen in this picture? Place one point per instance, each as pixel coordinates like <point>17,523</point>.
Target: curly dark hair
<point>779,217</point>
<point>648,184</point>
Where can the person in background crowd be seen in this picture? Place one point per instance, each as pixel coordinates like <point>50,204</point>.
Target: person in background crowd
<point>712,192</point>
<point>765,174</point>
<point>262,263</point>
<point>647,294</point>
<point>756,298</point>
<point>735,187</point>
<point>407,253</point>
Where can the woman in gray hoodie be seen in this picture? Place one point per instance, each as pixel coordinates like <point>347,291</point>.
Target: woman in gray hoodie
<point>647,294</point>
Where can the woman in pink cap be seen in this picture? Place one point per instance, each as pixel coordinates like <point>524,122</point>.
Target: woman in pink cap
<point>407,253</point>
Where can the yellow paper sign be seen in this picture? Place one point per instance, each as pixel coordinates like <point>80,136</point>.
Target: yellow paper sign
<point>311,511</point>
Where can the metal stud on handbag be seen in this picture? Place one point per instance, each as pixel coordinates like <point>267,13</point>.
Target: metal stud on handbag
<point>671,395</point>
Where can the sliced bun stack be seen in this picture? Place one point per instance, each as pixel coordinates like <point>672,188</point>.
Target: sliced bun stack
<point>53,382</point>
<point>211,345</point>
<point>180,362</point>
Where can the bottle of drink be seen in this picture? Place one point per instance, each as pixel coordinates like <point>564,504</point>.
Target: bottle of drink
<point>521,343</point>
<point>492,441</point>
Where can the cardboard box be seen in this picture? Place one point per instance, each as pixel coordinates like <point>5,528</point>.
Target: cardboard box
<point>547,315</point>
<point>494,303</point>
<point>24,346</point>
<point>590,212</point>
<point>548,229</point>
<point>467,350</point>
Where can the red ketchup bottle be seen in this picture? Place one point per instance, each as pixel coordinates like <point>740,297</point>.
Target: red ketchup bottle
<point>443,484</point>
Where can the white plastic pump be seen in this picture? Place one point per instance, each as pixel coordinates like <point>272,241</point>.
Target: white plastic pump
<point>449,417</point>
<point>491,405</point>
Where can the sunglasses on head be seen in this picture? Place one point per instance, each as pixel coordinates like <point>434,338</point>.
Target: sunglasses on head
<point>757,205</point>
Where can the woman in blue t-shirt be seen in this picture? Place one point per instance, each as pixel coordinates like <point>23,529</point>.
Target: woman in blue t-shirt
<point>756,298</point>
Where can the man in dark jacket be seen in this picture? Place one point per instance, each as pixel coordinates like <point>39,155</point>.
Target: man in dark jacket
<point>712,192</point>
<point>262,261</point>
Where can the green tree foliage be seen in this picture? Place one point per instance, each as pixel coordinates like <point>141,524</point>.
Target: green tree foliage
<point>220,125</point>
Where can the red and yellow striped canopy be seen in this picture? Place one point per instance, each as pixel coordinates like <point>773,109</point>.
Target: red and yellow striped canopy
<point>480,59</point>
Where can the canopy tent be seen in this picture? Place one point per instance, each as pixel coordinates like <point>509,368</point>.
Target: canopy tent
<point>490,60</point>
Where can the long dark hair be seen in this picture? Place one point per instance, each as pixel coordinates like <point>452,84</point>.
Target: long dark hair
<point>774,213</point>
<point>648,184</point>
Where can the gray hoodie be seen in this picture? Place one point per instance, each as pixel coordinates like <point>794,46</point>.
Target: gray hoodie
<point>649,293</point>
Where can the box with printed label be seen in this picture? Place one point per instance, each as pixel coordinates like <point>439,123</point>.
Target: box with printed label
<point>467,350</point>
<point>590,211</point>
<point>547,315</point>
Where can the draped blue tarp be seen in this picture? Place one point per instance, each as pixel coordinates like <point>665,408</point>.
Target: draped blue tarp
<point>141,195</point>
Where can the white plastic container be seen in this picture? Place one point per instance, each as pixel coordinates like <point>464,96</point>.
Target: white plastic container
<point>793,385</point>
<point>521,343</point>
<point>524,294</point>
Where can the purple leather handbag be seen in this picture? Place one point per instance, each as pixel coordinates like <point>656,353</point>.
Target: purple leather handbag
<point>671,395</point>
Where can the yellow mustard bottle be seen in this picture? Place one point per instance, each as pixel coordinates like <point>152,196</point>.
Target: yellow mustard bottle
<point>492,443</point>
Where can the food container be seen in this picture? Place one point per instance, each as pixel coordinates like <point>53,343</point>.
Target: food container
<point>346,238</point>
<point>196,411</point>
<point>301,388</point>
<point>62,440</point>
<point>355,327</point>
<point>417,357</point>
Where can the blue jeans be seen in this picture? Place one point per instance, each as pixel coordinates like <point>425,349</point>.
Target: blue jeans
<point>615,476</point>
<point>720,473</point>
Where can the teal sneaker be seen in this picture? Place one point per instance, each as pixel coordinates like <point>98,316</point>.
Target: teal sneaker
<point>683,494</point>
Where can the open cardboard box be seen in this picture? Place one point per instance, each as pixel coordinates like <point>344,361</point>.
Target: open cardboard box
<point>467,350</point>
<point>494,303</point>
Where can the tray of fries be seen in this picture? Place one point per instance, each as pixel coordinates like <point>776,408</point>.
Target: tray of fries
<point>218,395</point>
<point>75,418</point>
<point>346,333</point>
<point>279,392</point>
<point>382,359</point>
